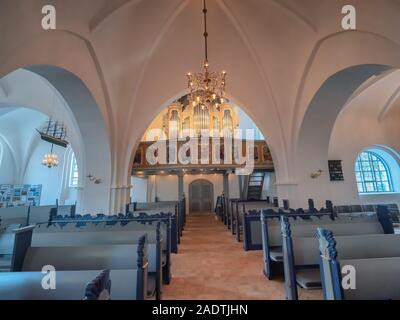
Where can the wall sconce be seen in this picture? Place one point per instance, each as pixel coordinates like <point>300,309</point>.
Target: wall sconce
<point>94,179</point>
<point>317,174</point>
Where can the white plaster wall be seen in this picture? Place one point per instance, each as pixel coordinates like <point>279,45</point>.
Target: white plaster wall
<point>269,187</point>
<point>50,179</point>
<point>139,189</point>
<point>7,170</point>
<point>167,187</point>
<point>234,190</point>
<point>358,129</point>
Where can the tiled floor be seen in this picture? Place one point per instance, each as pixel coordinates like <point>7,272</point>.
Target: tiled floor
<point>212,265</point>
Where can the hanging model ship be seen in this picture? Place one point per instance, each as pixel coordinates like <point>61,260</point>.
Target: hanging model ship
<point>54,132</point>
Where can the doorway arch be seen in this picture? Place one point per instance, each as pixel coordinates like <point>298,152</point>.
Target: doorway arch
<point>201,196</point>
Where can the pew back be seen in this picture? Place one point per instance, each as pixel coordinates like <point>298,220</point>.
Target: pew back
<point>113,235</point>
<point>70,285</point>
<point>13,215</point>
<point>81,258</point>
<point>40,214</point>
<point>376,279</point>
<point>302,228</point>
<point>65,210</point>
<point>118,242</point>
<point>306,253</point>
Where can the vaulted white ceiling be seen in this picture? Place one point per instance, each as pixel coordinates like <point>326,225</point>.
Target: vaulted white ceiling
<point>133,56</point>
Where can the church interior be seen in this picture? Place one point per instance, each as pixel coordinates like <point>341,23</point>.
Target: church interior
<point>199,150</point>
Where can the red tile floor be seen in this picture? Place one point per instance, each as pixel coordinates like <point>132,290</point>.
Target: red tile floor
<point>211,264</point>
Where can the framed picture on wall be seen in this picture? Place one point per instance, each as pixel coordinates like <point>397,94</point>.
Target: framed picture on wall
<point>20,195</point>
<point>335,170</point>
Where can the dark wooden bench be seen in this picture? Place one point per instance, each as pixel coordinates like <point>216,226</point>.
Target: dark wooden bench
<point>240,208</point>
<point>70,285</point>
<point>251,219</point>
<point>299,248</point>
<point>131,258</point>
<point>159,259</point>
<point>176,207</point>
<point>16,216</point>
<point>376,276</point>
<point>272,236</point>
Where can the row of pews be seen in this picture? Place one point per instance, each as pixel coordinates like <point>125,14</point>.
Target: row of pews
<point>347,254</point>
<point>121,257</point>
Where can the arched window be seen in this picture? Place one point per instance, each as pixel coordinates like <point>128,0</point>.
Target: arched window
<point>74,176</point>
<point>372,174</point>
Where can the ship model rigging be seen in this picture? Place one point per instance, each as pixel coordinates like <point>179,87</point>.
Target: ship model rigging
<point>55,133</point>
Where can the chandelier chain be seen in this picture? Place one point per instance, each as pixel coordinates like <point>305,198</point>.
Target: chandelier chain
<point>207,88</point>
<point>205,32</point>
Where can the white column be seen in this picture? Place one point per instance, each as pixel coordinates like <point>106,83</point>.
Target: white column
<point>120,196</point>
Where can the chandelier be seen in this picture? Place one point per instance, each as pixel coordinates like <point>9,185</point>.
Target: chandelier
<point>50,160</point>
<point>207,89</point>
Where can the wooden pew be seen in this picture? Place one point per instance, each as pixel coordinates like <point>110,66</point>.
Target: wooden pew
<point>157,233</point>
<point>173,223</point>
<point>41,214</point>
<point>301,258</point>
<point>251,219</point>
<point>240,209</point>
<point>70,285</point>
<point>219,208</point>
<point>16,216</point>
<point>299,249</point>
<point>132,221</point>
<point>376,277</point>
<point>159,260</point>
<point>133,259</point>
<point>176,207</point>
<point>24,216</point>
<point>356,210</point>
<point>66,210</point>
<point>6,249</point>
<point>227,211</point>
<point>272,237</point>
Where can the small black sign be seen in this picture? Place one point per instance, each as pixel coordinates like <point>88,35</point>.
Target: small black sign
<point>335,170</point>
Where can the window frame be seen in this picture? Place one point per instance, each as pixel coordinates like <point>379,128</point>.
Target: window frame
<point>372,167</point>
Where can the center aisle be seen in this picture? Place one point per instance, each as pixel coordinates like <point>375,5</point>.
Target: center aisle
<point>211,265</point>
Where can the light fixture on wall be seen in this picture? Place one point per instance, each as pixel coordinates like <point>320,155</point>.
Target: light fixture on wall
<point>50,160</point>
<point>316,174</point>
<point>207,89</point>
<point>94,179</point>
